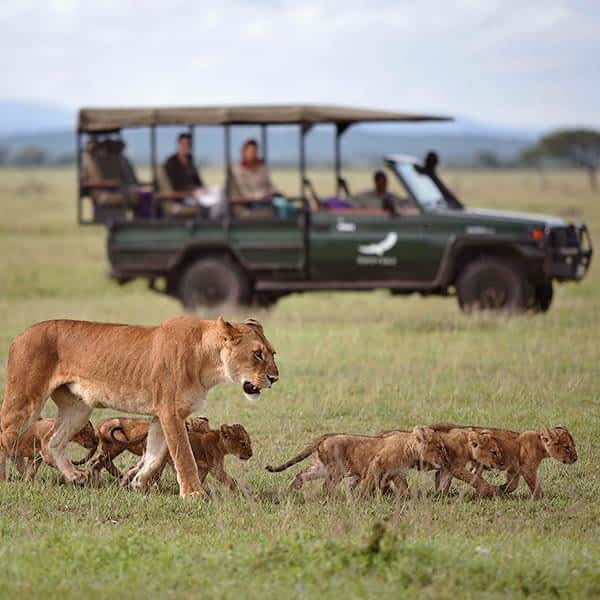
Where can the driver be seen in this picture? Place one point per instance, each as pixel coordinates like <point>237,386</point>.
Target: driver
<point>379,198</point>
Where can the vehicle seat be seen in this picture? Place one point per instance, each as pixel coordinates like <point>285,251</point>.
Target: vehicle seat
<point>102,162</point>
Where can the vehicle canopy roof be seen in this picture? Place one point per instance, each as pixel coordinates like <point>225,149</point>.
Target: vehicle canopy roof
<point>97,120</point>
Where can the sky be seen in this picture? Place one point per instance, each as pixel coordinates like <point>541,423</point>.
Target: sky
<point>533,64</point>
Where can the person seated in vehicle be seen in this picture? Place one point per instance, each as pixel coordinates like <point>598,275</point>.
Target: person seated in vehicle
<point>108,175</point>
<point>252,190</point>
<point>180,168</point>
<point>379,198</point>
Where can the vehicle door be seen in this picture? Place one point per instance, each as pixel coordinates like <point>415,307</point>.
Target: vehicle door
<point>376,246</point>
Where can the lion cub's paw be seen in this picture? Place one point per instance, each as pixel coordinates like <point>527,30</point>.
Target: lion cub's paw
<point>196,494</point>
<point>78,478</point>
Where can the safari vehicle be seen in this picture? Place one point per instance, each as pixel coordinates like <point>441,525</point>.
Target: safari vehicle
<point>429,243</point>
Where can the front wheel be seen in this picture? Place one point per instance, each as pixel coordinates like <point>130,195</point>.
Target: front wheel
<point>494,284</point>
<point>213,283</point>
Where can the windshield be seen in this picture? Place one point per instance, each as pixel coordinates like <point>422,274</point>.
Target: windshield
<point>422,187</point>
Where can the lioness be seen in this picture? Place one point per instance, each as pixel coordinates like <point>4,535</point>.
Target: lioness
<point>163,371</point>
<point>32,448</point>
<point>117,435</point>
<point>523,452</point>
<point>372,461</point>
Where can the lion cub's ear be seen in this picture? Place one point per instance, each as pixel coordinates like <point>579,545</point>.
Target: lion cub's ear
<point>419,433</point>
<point>545,434</point>
<point>225,431</point>
<point>474,438</point>
<point>423,433</point>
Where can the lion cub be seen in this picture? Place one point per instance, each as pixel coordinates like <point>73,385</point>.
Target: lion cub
<point>463,447</point>
<point>32,447</point>
<point>372,461</point>
<point>211,447</point>
<point>522,454</point>
<point>117,435</point>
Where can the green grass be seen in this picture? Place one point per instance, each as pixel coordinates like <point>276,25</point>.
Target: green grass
<point>348,362</point>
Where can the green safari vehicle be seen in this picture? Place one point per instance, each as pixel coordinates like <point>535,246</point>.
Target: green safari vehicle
<point>426,241</point>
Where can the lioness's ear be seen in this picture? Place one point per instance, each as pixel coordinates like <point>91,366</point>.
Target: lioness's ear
<point>254,324</point>
<point>545,434</point>
<point>226,329</point>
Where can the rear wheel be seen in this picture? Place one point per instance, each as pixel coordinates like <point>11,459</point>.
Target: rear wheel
<point>491,284</point>
<point>544,293</point>
<point>213,283</point>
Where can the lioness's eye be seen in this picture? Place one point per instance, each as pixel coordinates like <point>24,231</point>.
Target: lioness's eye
<point>258,354</point>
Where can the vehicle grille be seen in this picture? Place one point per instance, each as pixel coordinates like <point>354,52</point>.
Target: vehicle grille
<point>564,237</point>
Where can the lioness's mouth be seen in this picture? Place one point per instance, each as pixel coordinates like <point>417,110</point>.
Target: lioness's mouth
<point>251,390</point>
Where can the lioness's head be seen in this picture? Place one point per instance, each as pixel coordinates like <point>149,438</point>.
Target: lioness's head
<point>236,441</point>
<point>559,444</point>
<point>431,447</point>
<point>248,357</point>
<point>484,449</point>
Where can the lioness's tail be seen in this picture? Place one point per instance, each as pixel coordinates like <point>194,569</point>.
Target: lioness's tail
<point>310,449</point>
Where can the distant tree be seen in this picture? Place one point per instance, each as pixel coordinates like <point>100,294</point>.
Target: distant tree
<point>577,147</point>
<point>488,159</point>
<point>31,156</point>
<point>4,154</point>
<point>68,158</point>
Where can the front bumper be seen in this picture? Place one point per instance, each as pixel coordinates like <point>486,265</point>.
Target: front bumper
<point>569,253</point>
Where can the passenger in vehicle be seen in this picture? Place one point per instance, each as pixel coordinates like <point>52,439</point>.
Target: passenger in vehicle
<point>180,167</point>
<point>251,177</point>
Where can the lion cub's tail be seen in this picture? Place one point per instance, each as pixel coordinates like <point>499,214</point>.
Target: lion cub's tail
<point>310,449</point>
<point>118,434</point>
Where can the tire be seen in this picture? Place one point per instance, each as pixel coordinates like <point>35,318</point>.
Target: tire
<point>494,284</point>
<point>544,293</point>
<point>264,300</point>
<point>213,283</point>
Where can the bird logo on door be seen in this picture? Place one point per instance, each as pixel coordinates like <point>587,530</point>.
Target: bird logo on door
<point>380,248</point>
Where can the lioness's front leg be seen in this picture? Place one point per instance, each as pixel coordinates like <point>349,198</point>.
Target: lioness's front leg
<point>181,454</point>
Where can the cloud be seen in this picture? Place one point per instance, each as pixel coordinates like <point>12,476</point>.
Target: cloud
<point>499,61</point>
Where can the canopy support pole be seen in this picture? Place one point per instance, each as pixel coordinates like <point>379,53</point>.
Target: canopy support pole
<point>227,158</point>
<point>79,207</point>
<point>263,141</point>
<point>340,128</point>
<point>304,129</point>
<point>153,167</point>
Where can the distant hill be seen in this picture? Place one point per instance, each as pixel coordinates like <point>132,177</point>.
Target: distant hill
<point>25,124</point>
<point>22,116</point>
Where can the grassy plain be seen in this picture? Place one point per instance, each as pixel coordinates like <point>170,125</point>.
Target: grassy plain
<point>348,362</point>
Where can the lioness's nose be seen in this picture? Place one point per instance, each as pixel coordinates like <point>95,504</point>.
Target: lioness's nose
<point>272,378</point>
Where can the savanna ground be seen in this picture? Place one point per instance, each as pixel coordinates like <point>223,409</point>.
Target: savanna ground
<point>348,362</point>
